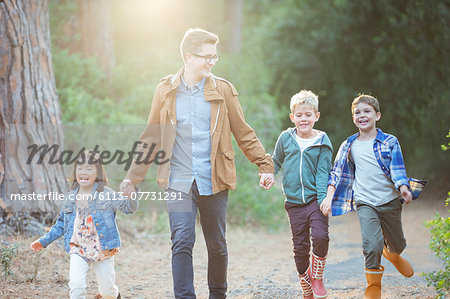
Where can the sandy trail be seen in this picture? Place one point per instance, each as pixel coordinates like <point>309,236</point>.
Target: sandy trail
<point>260,264</point>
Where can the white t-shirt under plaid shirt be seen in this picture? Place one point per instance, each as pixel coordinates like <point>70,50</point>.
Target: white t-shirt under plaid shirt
<point>371,185</point>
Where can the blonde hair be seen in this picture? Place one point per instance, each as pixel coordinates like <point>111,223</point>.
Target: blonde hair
<point>305,97</point>
<point>366,99</point>
<point>195,38</point>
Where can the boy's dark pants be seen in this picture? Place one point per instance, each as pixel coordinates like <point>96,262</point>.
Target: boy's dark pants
<point>380,225</point>
<point>302,219</point>
<point>182,215</point>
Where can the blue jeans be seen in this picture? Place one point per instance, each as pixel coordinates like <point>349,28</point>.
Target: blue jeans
<point>213,214</point>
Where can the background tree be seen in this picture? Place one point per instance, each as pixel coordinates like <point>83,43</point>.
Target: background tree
<point>235,11</point>
<point>87,29</point>
<point>29,108</point>
<point>398,51</point>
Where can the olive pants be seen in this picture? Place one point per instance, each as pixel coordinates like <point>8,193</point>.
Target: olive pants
<point>380,225</point>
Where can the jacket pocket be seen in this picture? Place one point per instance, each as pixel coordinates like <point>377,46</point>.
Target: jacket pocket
<point>68,209</point>
<point>107,214</point>
<point>386,157</point>
<point>104,206</point>
<point>229,155</point>
<point>230,167</point>
<point>225,168</point>
<point>68,214</point>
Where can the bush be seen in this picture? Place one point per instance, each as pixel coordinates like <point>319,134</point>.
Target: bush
<point>440,244</point>
<point>7,254</point>
<point>249,204</point>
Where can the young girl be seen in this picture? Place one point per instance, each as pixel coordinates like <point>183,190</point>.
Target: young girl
<point>87,221</point>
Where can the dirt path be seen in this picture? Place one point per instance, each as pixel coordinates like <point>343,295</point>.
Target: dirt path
<point>260,264</point>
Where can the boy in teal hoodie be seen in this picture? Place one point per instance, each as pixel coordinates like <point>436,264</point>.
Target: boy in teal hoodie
<point>304,154</point>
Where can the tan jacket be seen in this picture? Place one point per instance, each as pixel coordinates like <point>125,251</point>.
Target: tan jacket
<point>226,117</point>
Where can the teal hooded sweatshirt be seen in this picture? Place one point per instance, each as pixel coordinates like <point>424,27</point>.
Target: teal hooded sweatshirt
<point>305,174</point>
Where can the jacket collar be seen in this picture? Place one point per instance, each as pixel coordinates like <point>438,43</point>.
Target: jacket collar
<point>381,137</point>
<point>73,193</point>
<point>320,141</point>
<point>211,92</point>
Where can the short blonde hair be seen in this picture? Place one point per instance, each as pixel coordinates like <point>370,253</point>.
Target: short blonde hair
<point>305,97</point>
<point>195,38</point>
<point>366,99</point>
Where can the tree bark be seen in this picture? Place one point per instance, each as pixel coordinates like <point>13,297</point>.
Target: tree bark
<point>235,14</point>
<point>29,108</point>
<point>92,23</point>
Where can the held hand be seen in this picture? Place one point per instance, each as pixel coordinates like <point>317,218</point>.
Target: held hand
<point>325,206</point>
<point>407,196</point>
<point>127,187</point>
<point>267,180</point>
<point>36,246</point>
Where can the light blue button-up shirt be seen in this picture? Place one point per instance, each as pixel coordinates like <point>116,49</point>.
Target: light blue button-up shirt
<point>191,158</point>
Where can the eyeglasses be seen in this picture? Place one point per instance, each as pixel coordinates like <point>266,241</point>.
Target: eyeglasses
<point>208,59</point>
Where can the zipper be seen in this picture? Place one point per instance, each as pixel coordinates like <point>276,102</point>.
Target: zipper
<point>217,119</point>
<point>300,169</point>
<point>301,164</point>
<point>301,180</point>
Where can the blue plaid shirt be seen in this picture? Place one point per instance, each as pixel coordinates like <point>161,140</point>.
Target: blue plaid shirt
<point>389,156</point>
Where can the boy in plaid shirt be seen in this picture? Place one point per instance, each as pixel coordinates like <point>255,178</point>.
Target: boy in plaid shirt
<point>369,172</point>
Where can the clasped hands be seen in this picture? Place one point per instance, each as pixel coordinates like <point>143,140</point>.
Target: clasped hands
<point>266,180</point>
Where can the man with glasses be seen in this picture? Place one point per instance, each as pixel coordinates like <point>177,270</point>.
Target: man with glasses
<point>197,112</point>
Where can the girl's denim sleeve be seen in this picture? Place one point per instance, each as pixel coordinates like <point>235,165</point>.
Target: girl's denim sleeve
<point>55,232</point>
<point>126,205</point>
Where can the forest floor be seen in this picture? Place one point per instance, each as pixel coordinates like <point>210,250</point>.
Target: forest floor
<point>260,263</point>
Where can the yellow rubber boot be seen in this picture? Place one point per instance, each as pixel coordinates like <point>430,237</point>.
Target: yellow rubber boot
<point>373,276</point>
<point>402,265</point>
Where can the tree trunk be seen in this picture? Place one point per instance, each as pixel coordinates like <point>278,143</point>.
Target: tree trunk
<point>29,108</point>
<point>92,23</point>
<point>235,12</point>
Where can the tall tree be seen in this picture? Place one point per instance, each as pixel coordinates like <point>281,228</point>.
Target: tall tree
<point>29,108</point>
<point>235,14</point>
<point>398,51</point>
<point>87,29</point>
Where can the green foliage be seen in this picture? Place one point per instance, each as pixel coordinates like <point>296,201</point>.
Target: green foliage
<point>249,204</point>
<point>446,146</point>
<point>87,97</point>
<point>7,254</point>
<point>36,264</point>
<point>399,51</point>
<point>440,244</point>
<point>73,71</point>
<point>61,12</point>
